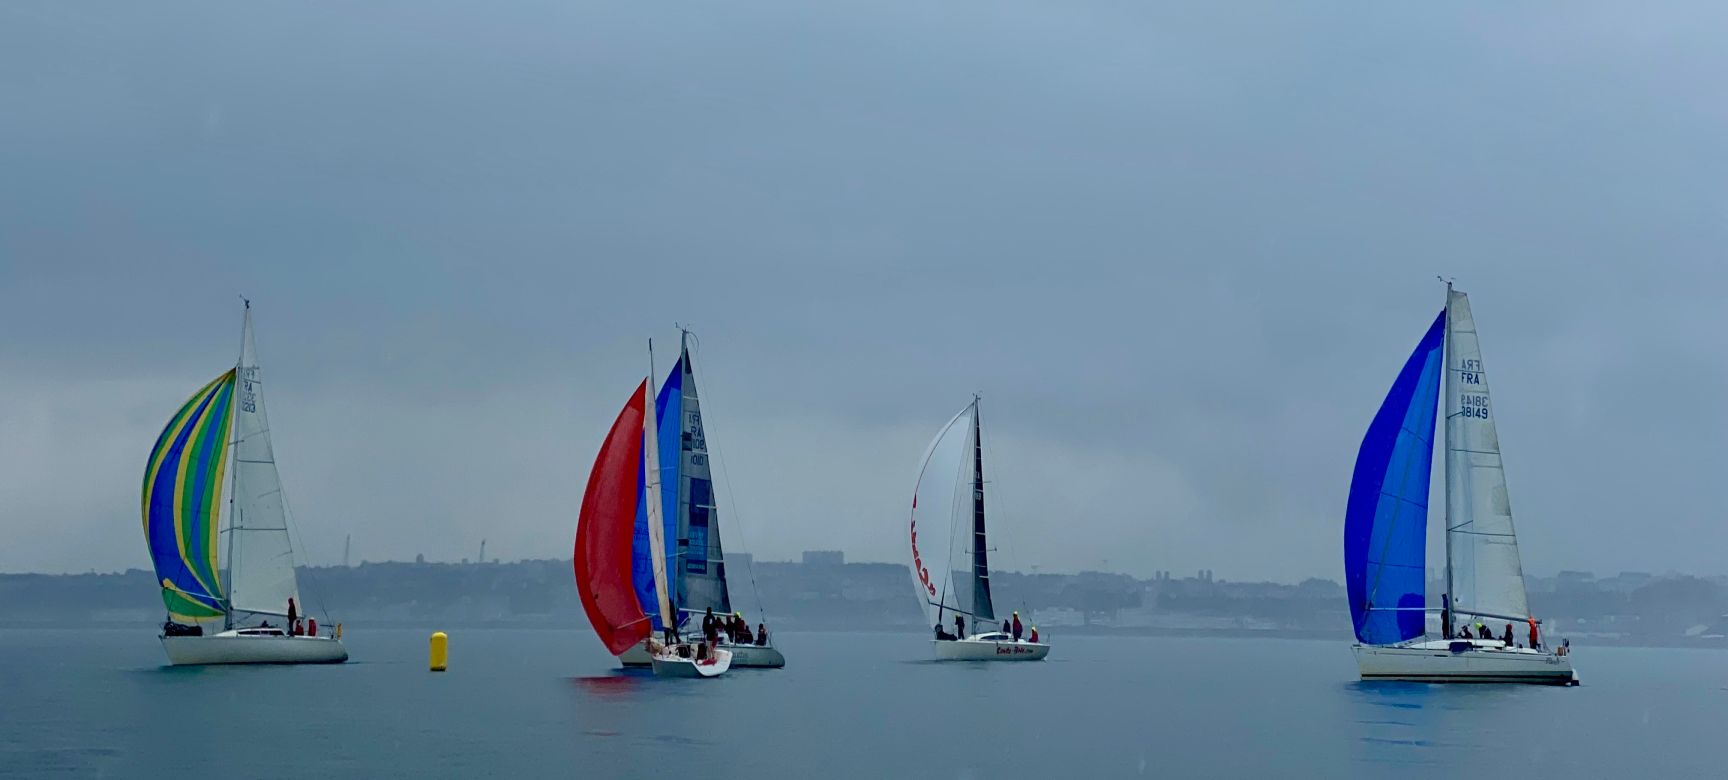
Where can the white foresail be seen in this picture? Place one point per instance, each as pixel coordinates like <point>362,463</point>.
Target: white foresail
<point>1487,578</point>
<point>656,516</point>
<point>260,556</point>
<point>940,526</point>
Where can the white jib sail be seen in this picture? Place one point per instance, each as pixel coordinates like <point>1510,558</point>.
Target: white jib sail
<point>261,557</point>
<point>1487,577</point>
<point>656,522</point>
<point>941,500</point>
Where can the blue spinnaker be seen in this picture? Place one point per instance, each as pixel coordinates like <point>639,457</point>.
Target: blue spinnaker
<point>1386,522</point>
<point>669,418</point>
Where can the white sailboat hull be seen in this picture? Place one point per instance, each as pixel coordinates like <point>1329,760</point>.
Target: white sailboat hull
<point>669,665</point>
<point>743,656</point>
<point>1484,661</point>
<point>971,649</point>
<point>232,649</point>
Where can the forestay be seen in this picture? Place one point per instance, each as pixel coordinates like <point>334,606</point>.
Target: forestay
<point>261,559</point>
<point>667,406</point>
<point>656,523</point>
<point>1487,576</point>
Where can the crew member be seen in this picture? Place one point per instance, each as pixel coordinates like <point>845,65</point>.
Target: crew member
<point>1034,636</point>
<point>1535,638</point>
<point>292,613</point>
<point>1017,627</point>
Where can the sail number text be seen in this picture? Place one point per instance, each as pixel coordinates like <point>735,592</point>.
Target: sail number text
<point>248,390</point>
<point>1471,372</point>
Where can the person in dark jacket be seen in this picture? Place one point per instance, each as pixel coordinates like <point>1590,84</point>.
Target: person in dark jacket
<point>293,614</point>
<point>1507,637</point>
<point>761,634</point>
<point>959,627</point>
<point>1004,626</point>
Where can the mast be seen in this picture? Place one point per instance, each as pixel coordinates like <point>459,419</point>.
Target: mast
<point>981,607</point>
<point>234,473</point>
<point>1446,453</point>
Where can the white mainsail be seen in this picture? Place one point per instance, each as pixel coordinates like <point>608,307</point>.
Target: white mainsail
<point>260,555</point>
<point>940,526</point>
<point>1487,578</point>
<point>656,516</point>
<point>701,570</point>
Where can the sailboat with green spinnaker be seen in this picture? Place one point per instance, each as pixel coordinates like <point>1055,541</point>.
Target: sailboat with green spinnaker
<point>216,525</point>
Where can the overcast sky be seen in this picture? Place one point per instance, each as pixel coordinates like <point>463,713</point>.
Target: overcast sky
<point>1181,249</point>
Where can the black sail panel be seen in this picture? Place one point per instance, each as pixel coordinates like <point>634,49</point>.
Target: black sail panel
<point>982,609</point>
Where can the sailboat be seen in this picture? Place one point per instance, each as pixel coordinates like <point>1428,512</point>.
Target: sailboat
<point>214,462</point>
<point>1386,527</point>
<point>618,485</point>
<point>698,577</point>
<point>948,497</point>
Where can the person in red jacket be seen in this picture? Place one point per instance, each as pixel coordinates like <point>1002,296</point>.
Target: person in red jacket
<point>1017,627</point>
<point>1034,636</point>
<point>1535,639</point>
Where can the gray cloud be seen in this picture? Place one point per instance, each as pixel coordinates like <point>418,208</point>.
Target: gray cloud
<point>1180,249</point>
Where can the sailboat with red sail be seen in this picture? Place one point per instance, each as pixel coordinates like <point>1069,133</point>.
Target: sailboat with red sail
<point>604,537</point>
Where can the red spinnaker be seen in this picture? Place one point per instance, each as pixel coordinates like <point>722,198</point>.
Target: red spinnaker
<point>606,529</point>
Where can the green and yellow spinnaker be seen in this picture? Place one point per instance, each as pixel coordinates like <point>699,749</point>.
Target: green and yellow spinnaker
<point>183,485</point>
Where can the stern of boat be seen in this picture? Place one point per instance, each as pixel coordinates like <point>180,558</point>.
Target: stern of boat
<point>987,650</point>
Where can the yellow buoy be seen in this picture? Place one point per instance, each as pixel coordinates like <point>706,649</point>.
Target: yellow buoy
<point>440,651</point>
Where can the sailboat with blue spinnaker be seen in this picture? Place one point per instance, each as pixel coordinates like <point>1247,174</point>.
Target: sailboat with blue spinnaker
<point>690,517</point>
<point>1386,529</point>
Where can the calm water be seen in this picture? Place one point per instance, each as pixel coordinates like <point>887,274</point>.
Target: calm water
<point>549,704</point>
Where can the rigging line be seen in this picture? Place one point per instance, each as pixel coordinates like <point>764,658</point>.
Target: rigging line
<point>713,444</point>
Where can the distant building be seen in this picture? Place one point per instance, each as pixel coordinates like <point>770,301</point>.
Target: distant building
<point>824,558</point>
<point>740,561</point>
